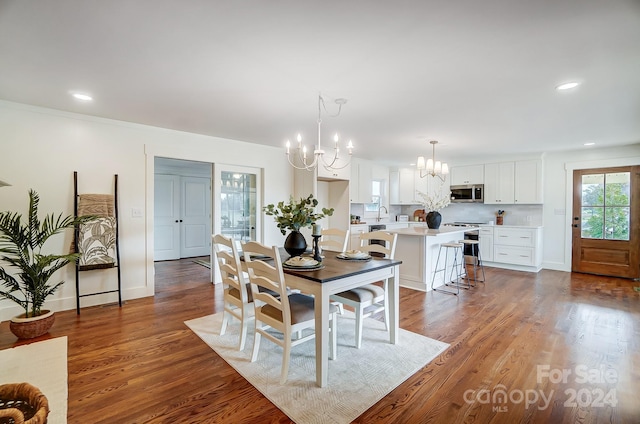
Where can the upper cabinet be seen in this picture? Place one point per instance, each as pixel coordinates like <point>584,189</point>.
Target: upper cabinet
<point>518,182</point>
<point>499,182</point>
<point>335,174</point>
<point>471,174</point>
<point>528,182</point>
<point>406,187</point>
<point>369,182</point>
<point>360,184</point>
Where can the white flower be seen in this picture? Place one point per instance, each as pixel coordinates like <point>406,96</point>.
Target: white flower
<point>436,201</point>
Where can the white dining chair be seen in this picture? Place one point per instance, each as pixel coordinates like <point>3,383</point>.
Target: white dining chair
<point>289,314</point>
<point>372,298</point>
<point>238,299</point>
<point>334,239</point>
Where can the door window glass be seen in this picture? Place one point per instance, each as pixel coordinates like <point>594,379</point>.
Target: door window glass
<point>238,205</point>
<point>606,206</point>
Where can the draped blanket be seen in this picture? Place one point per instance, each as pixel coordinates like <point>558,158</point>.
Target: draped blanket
<point>97,238</point>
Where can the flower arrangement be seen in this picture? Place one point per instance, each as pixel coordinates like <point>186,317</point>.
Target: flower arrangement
<point>435,202</point>
<point>295,215</point>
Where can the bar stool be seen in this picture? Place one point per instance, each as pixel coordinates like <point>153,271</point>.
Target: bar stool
<point>457,267</point>
<point>477,262</point>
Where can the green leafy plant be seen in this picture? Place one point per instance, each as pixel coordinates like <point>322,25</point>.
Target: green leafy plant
<point>295,215</point>
<point>21,247</point>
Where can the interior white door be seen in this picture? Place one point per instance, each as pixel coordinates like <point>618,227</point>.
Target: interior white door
<point>195,217</point>
<point>166,217</point>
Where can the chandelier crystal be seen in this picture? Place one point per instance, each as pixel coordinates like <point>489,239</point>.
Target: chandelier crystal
<point>432,166</point>
<point>303,162</point>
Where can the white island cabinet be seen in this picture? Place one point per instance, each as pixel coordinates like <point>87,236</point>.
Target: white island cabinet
<point>417,247</point>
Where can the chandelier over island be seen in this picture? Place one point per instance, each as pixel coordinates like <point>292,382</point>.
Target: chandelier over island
<point>301,160</point>
<point>432,166</point>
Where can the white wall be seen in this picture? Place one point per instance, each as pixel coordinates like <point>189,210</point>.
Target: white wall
<point>41,148</point>
<point>558,192</point>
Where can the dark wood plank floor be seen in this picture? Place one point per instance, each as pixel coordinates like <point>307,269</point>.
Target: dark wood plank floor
<point>514,336</point>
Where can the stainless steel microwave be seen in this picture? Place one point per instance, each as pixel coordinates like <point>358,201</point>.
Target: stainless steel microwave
<point>471,193</point>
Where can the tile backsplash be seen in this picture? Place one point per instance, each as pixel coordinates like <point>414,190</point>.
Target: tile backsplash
<point>475,212</point>
<point>467,212</point>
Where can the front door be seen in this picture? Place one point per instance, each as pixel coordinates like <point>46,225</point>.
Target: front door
<point>606,221</point>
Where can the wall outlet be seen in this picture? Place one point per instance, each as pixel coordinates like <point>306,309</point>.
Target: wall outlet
<point>528,218</point>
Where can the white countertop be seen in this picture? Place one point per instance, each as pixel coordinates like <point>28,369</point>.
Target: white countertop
<point>511,226</point>
<point>424,231</point>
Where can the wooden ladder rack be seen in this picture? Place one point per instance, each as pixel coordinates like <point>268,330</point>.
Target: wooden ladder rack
<point>117,246</point>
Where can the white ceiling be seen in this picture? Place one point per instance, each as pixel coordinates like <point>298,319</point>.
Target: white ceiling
<point>479,76</point>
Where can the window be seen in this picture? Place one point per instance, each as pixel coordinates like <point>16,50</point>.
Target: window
<point>606,206</point>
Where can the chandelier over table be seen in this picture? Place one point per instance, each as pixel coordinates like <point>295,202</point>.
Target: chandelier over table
<point>301,159</point>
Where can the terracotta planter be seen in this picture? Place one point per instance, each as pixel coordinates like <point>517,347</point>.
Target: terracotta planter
<point>28,328</point>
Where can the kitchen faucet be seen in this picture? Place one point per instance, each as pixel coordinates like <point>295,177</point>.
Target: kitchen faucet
<point>385,209</point>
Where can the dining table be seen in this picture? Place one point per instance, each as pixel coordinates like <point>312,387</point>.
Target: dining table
<point>337,275</point>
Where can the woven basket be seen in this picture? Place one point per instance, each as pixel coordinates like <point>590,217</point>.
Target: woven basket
<point>22,403</point>
<point>28,328</point>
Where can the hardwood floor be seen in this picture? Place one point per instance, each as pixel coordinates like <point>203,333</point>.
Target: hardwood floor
<point>517,333</point>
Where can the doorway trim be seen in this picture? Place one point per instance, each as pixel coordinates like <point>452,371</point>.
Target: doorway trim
<point>569,168</point>
<point>151,152</point>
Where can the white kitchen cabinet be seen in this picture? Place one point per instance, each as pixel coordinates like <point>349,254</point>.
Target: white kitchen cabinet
<point>518,246</point>
<point>335,174</point>
<point>471,174</point>
<point>499,183</point>
<point>360,183</point>
<point>354,182</point>
<point>528,182</point>
<point>402,187</point>
<point>406,191</point>
<point>354,237</point>
<point>485,237</point>
<point>394,187</point>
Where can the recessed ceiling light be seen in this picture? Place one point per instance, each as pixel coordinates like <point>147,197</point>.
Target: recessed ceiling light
<point>567,86</point>
<point>82,96</point>
<point>590,143</point>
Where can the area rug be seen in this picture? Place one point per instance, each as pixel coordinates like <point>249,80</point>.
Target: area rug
<point>41,364</point>
<point>358,378</point>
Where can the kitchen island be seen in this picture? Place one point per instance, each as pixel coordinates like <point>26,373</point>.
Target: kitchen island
<point>417,247</point>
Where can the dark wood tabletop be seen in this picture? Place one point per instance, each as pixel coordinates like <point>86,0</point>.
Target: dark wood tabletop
<point>334,268</point>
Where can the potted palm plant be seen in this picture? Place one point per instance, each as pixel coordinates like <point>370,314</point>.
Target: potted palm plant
<point>293,216</point>
<point>21,248</point>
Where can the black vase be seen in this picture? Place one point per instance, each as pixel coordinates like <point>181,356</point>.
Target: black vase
<point>433,220</point>
<point>295,244</point>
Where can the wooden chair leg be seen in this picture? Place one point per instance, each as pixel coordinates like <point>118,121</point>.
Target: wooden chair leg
<point>333,337</point>
<point>225,321</point>
<point>256,345</point>
<point>286,354</point>
<point>359,320</point>
<point>243,333</point>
